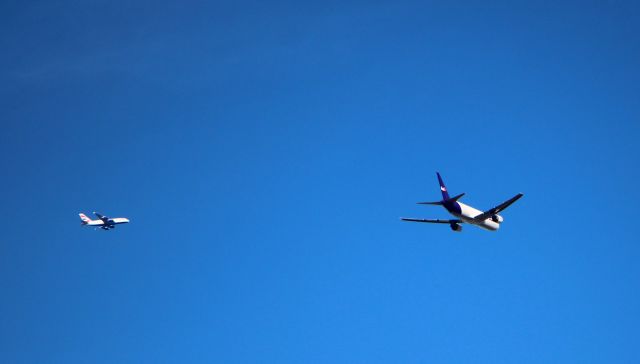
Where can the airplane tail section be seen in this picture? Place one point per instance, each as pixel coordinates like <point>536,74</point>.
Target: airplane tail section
<point>445,195</point>
<point>430,203</point>
<point>456,198</point>
<point>84,218</point>
<point>443,188</point>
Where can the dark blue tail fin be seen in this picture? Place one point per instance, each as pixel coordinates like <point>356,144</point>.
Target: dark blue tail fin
<point>443,188</point>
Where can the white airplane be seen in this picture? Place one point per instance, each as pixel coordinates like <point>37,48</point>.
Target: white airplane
<point>103,222</point>
<point>488,220</point>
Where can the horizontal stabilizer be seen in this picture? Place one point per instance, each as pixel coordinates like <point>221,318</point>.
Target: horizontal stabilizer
<point>456,198</point>
<point>435,221</point>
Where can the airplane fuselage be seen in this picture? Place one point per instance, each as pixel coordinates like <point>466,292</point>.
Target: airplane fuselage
<point>467,213</point>
<point>110,223</point>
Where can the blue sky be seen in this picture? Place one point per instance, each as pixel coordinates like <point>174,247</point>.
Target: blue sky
<point>264,153</point>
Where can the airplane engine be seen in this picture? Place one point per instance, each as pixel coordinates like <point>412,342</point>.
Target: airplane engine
<point>497,218</point>
<point>456,227</point>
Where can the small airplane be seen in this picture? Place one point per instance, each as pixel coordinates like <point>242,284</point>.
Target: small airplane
<point>102,222</point>
<point>488,220</point>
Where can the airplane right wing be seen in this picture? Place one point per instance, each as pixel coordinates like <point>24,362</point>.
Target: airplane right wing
<point>435,221</point>
<point>487,214</point>
<point>102,217</point>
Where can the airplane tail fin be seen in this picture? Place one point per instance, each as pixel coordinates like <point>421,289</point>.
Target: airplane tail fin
<point>84,218</point>
<point>445,195</point>
<point>443,188</point>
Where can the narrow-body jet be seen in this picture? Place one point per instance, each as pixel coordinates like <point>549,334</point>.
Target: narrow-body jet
<point>488,220</point>
<point>103,222</point>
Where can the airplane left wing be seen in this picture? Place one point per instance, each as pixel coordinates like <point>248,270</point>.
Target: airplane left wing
<point>487,214</point>
<point>435,221</point>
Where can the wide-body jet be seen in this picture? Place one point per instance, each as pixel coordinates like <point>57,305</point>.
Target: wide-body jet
<point>103,222</point>
<point>488,220</point>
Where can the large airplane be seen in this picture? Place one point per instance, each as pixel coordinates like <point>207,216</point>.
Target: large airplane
<point>103,222</point>
<point>488,220</point>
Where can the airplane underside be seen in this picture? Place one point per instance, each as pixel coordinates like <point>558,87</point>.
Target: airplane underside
<point>489,225</point>
<point>467,214</point>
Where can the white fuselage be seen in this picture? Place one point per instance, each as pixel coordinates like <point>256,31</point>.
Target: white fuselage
<point>467,213</point>
<point>114,221</point>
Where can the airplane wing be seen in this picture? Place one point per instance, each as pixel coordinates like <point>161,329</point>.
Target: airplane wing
<point>435,221</point>
<point>102,217</point>
<point>487,214</point>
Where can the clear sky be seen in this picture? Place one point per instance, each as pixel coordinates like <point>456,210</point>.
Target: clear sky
<point>264,152</point>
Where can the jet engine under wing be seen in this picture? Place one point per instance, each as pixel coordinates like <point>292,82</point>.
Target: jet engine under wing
<point>487,214</point>
<point>435,221</point>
